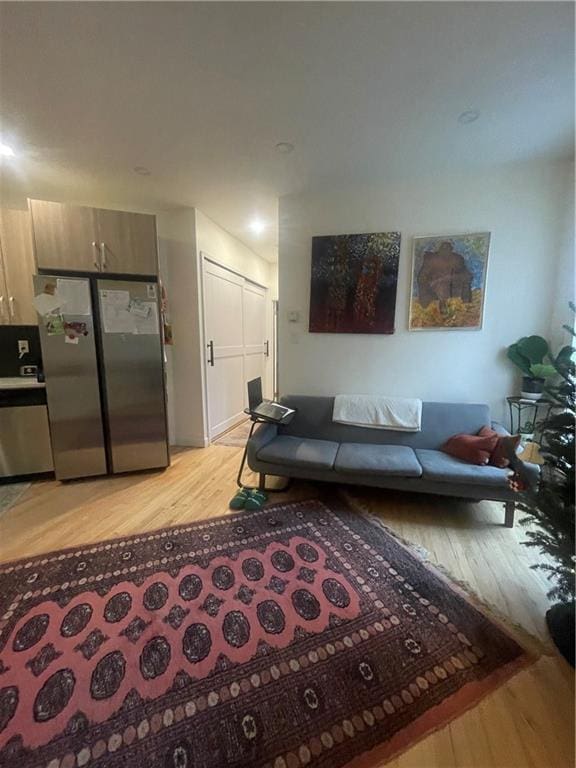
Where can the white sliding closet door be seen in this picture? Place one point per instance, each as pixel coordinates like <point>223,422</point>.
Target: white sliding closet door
<point>255,343</point>
<point>224,335</point>
<point>236,347</point>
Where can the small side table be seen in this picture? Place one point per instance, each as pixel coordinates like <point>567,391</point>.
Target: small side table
<point>523,409</point>
<point>257,419</point>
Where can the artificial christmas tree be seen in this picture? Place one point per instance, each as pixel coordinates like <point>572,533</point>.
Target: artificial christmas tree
<point>549,507</point>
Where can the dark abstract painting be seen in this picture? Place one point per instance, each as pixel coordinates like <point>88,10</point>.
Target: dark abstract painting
<point>354,280</point>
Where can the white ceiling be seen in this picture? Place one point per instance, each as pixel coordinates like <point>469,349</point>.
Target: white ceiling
<point>200,93</point>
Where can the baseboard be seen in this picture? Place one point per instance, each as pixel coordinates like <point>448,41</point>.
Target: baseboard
<point>191,442</point>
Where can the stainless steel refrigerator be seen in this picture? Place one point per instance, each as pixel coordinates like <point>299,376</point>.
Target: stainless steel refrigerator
<point>102,356</point>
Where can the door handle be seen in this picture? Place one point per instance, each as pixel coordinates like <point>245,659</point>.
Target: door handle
<point>267,353</point>
<point>103,255</point>
<point>210,346</point>
<point>2,312</point>
<point>11,308</point>
<point>96,263</point>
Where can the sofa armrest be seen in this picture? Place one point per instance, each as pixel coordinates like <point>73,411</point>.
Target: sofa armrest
<point>261,436</point>
<point>500,429</point>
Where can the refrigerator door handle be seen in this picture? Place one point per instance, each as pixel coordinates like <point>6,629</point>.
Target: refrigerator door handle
<point>103,256</point>
<point>96,263</point>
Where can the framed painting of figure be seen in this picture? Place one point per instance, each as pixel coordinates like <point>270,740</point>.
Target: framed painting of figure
<point>449,282</point>
<point>353,284</point>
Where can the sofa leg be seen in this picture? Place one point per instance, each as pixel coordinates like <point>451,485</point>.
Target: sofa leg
<point>262,481</point>
<point>509,510</point>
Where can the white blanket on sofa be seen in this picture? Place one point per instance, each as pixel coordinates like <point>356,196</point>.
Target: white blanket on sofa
<point>397,413</point>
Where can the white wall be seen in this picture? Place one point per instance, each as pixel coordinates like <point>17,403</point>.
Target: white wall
<point>220,245</point>
<point>179,272</point>
<point>524,207</point>
<point>185,235</point>
<point>565,278</point>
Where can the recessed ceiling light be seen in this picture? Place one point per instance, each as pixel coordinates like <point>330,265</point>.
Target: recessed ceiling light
<point>6,151</point>
<point>469,116</point>
<point>142,171</point>
<point>257,226</point>
<point>284,147</point>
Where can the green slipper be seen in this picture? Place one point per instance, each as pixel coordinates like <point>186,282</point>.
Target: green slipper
<point>256,500</point>
<point>239,501</point>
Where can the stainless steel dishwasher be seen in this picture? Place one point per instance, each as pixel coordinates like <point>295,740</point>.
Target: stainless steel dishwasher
<point>24,433</point>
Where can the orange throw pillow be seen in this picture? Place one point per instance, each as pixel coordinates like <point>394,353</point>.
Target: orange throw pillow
<point>473,449</point>
<point>498,457</point>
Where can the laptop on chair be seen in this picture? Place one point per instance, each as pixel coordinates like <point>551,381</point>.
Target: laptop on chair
<point>266,409</point>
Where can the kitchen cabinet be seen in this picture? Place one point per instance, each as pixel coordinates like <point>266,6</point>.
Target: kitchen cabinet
<point>4,317</point>
<point>16,268</point>
<point>127,242</point>
<point>64,236</point>
<point>82,239</point>
<point>24,430</point>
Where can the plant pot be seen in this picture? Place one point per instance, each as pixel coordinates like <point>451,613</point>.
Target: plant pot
<point>560,621</point>
<point>532,389</point>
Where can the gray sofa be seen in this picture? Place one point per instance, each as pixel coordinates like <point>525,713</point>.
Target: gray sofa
<point>314,447</point>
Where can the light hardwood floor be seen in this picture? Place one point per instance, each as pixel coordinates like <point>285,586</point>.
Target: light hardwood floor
<point>528,721</point>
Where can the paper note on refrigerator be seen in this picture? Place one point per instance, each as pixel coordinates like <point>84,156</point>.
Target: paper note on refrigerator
<point>148,323</point>
<point>116,317</point>
<point>54,324</point>
<point>74,296</point>
<point>139,308</point>
<point>45,303</point>
<point>115,298</point>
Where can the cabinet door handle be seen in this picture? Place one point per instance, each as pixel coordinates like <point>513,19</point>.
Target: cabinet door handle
<point>2,311</point>
<point>267,344</point>
<point>210,346</point>
<point>103,255</point>
<point>11,308</point>
<point>96,263</point>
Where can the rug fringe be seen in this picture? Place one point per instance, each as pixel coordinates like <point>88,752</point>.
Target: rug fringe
<point>534,645</point>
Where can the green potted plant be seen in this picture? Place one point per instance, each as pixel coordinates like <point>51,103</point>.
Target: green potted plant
<point>528,354</point>
<point>549,506</point>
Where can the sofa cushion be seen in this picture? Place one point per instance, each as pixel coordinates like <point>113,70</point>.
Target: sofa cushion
<point>300,452</point>
<point>499,456</point>
<point>440,467</point>
<point>359,458</point>
<point>473,449</point>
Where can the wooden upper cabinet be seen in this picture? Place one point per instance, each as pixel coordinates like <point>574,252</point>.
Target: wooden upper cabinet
<point>76,238</point>
<point>18,264</point>
<point>4,316</point>
<point>64,236</point>
<point>127,242</point>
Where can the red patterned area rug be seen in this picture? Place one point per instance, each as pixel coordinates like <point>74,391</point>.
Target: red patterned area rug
<point>301,634</point>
